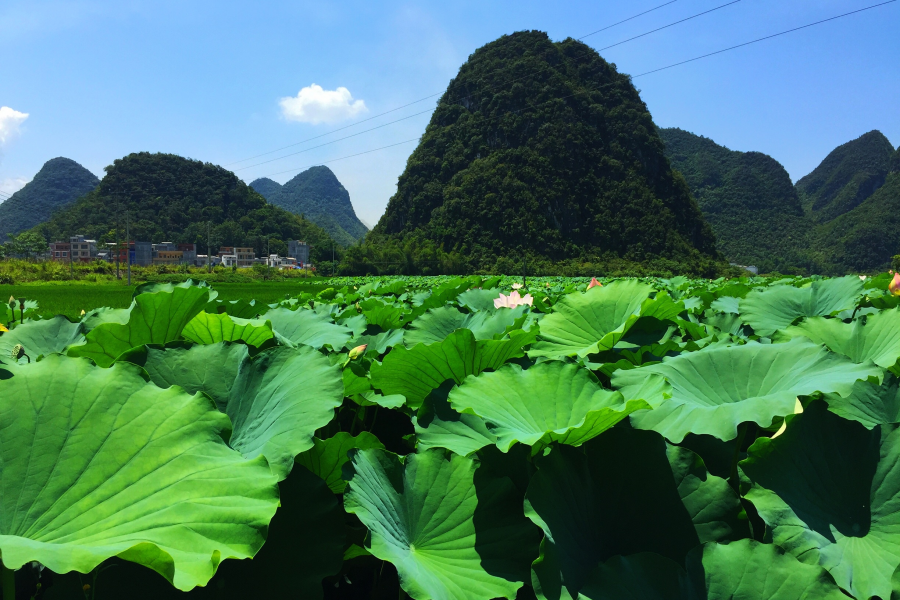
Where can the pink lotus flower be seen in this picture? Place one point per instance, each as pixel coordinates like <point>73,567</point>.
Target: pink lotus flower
<point>893,287</point>
<point>517,286</point>
<point>594,283</point>
<point>513,300</point>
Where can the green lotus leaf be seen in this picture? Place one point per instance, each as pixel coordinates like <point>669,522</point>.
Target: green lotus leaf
<point>379,343</point>
<point>153,287</point>
<point>437,425</point>
<point>877,341</point>
<point>307,327</point>
<point>623,492</point>
<point>98,316</point>
<point>327,457</point>
<point>869,403</point>
<point>210,369</point>
<point>435,325</point>
<point>42,337</point>
<point>416,371</point>
<point>830,490</point>
<point>241,309</point>
<point>726,304</point>
<point>452,529</point>
<point>742,569</point>
<point>279,399</point>
<point>596,320</point>
<point>96,463</point>
<point>712,391</point>
<point>776,307</point>
<point>554,399</point>
<point>155,318</point>
<point>208,328</point>
<point>480,300</point>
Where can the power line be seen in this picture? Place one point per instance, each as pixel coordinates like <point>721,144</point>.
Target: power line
<point>768,37</point>
<point>430,95</point>
<point>584,90</point>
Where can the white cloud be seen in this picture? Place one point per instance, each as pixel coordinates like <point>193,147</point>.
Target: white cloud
<point>9,123</point>
<point>10,186</point>
<point>315,105</point>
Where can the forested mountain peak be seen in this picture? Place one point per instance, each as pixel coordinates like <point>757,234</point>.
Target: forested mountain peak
<point>318,195</point>
<point>848,175</point>
<point>59,182</point>
<point>170,198</point>
<point>542,147</point>
<point>747,197</point>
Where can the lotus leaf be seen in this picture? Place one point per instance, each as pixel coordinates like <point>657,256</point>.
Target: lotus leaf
<point>869,403</point>
<point>307,327</point>
<point>415,372</point>
<point>551,401</point>
<point>452,530</point>
<point>623,492</point>
<point>877,341</point>
<point>40,338</point>
<point>438,323</point>
<point>712,391</point>
<point>327,457</point>
<point>743,569</point>
<point>830,490</point>
<point>208,328</point>
<point>769,309</point>
<point>96,463</point>
<point>155,318</point>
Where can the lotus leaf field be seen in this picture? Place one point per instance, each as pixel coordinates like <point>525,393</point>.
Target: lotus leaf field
<point>641,439</point>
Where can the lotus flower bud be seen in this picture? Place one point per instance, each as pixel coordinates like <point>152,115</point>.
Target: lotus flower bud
<point>82,312</point>
<point>894,286</point>
<point>357,352</point>
<point>12,302</point>
<point>594,283</point>
<point>3,328</point>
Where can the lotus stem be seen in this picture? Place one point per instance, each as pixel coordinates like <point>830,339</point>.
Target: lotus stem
<point>8,581</point>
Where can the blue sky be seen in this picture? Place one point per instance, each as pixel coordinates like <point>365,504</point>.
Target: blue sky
<point>208,80</point>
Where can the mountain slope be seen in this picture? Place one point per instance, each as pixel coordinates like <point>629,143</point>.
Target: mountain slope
<point>747,197</point>
<point>545,148</point>
<point>170,198</point>
<point>318,195</point>
<point>59,182</point>
<point>848,175</point>
<point>866,237</point>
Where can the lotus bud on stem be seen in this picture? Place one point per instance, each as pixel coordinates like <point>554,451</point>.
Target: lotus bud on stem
<point>894,285</point>
<point>356,353</point>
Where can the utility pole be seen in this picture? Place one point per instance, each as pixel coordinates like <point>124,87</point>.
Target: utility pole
<point>128,245</point>
<point>524,268</point>
<point>118,275</point>
<point>71,266</point>
<point>332,258</point>
<point>208,250</point>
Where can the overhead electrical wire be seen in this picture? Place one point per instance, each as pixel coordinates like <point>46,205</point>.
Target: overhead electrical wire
<point>632,77</point>
<point>532,74</point>
<point>327,133</point>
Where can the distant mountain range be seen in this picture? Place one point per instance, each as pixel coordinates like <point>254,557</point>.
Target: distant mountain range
<point>843,217</point>
<point>317,195</point>
<point>170,198</point>
<point>59,183</point>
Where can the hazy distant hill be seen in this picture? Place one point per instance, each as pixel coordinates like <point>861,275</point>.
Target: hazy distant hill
<point>564,163</point>
<point>848,175</point>
<point>866,237</point>
<point>747,197</point>
<point>170,198</point>
<point>318,195</point>
<point>59,182</point>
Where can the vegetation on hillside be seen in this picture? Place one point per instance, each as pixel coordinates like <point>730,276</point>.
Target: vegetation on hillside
<point>849,174</point>
<point>317,195</point>
<point>866,237</point>
<point>165,197</point>
<point>747,197</point>
<point>59,182</point>
<point>541,148</point>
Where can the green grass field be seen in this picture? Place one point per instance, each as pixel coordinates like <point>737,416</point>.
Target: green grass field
<point>70,298</point>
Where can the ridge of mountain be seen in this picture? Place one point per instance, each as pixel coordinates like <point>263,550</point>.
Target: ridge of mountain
<point>318,195</point>
<point>59,183</point>
<point>747,197</point>
<point>170,198</point>
<point>565,164</point>
<point>846,177</point>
